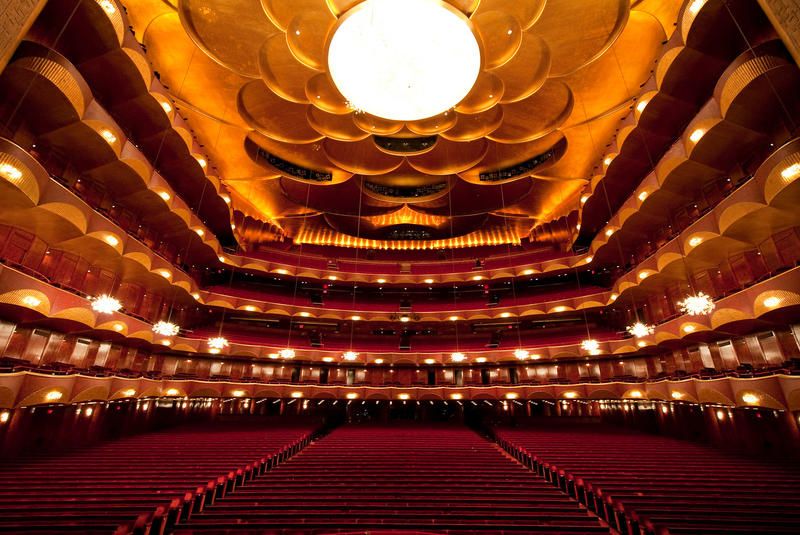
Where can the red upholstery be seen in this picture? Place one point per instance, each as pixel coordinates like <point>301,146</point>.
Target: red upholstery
<point>95,490</point>
<point>663,485</point>
<point>404,478</point>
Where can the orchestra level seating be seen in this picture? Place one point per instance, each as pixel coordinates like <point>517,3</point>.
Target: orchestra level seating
<point>653,484</point>
<point>402,478</point>
<point>96,489</point>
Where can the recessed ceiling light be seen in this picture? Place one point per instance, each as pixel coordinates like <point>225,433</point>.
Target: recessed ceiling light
<point>696,135</point>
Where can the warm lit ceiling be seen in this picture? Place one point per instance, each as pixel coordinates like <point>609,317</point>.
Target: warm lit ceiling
<point>555,78</point>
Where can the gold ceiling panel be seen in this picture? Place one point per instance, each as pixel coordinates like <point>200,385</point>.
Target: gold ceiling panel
<point>527,71</point>
<point>281,12</point>
<point>281,71</point>
<point>338,127</point>
<point>321,92</point>
<point>361,157</point>
<point>487,92</point>
<point>273,116</point>
<point>527,12</point>
<point>433,125</point>
<point>556,74</point>
<point>535,116</point>
<point>449,157</point>
<point>500,34</point>
<point>577,35</point>
<point>307,35</point>
<point>209,24</point>
<point>470,127</point>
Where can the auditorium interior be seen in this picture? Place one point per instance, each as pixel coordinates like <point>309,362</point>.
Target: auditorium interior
<point>477,267</point>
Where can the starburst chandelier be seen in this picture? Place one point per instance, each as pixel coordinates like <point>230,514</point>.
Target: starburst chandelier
<point>521,354</point>
<point>166,328</point>
<point>350,355</point>
<point>592,346</point>
<point>697,305</point>
<point>105,304</point>
<point>458,356</point>
<point>218,342</point>
<point>640,330</point>
<point>286,353</point>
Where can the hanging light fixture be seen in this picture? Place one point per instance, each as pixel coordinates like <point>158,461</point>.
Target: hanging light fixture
<point>217,342</point>
<point>458,356</point>
<point>697,305</point>
<point>105,304</point>
<point>590,345</point>
<point>166,328</point>
<point>286,353</point>
<point>350,355</point>
<point>521,354</point>
<point>640,330</point>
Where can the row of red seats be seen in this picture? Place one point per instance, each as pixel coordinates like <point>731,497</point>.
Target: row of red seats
<point>656,485</point>
<point>406,478</point>
<point>146,476</point>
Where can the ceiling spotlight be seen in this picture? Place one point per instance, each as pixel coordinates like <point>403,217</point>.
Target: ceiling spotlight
<point>332,277</point>
<point>643,275</point>
<point>584,198</point>
<point>403,396</point>
<point>105,304</point>
<point>238,393</point>
<point>608,161</point>
<point>112,240</point>
<point>281,271</point>
<point>697,305</point>
<point>750,399</point>
<point>166,343</point>
<point>378,361</point>
<point>429,361</point>
<point>677,395</point>
<point>166,106</point>
<point>350,355</point>
<point>689,328</point>
<point>456,396</point>
<point>351,395</point>
<point>511,395</point>
<point>589,259</point>
<point>521,354</point>
<point>453,318</point>
<point>53,395</point>
<point>196,296</point>
<point>480,360</point>
<point>31,301</point>
<point>304,314</point>
<point>642,196</point>
<point>696,135</point>
<point>641,105</point>
<point>636,393</point>
<point>696,6</point>
<point>10,172</point>
<point>590,345</point>
<point>528,272</point>
<point>217,342</point>
<point>250,308</point>
<point>790,173</point>
<point>457,357</point>
<point>428,281</point>
<point>297,394</point>
<point>129,393</point>
<point>164,195</point>
<point>165,273</point>
<point>405,319</point>
<point>535,356</point>
<point>772,302</point>
<point>202,162</point>
<point>225,198</point>
<point>286,353</point>
<point>355,318</point>
<point>119,327</point>
<point>221,258</point>
<point>609,232</point>
<point>381,281</point>
<point>505,315</point>
<point>166,328</point>
<point>108,135</point>
<point>571,394</point>
<point>477,278</point>
<point>324,359</point>
<point>694,242</point>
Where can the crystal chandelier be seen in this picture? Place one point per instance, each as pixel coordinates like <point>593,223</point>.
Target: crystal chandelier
<point>521,354</point>
<point>350,355</point>
<point>592,346</point>
<point>286,353</point>
<point>640,330</point>
<point>105,304</point>
<point>217,342</point>
<point>458,357</point>
<point>697,305</point>
<point>166,328</point>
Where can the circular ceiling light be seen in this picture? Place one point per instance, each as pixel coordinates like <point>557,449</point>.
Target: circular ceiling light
<point>404,60</point>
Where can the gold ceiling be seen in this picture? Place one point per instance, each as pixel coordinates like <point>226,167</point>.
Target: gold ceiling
<point>250,76</point>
